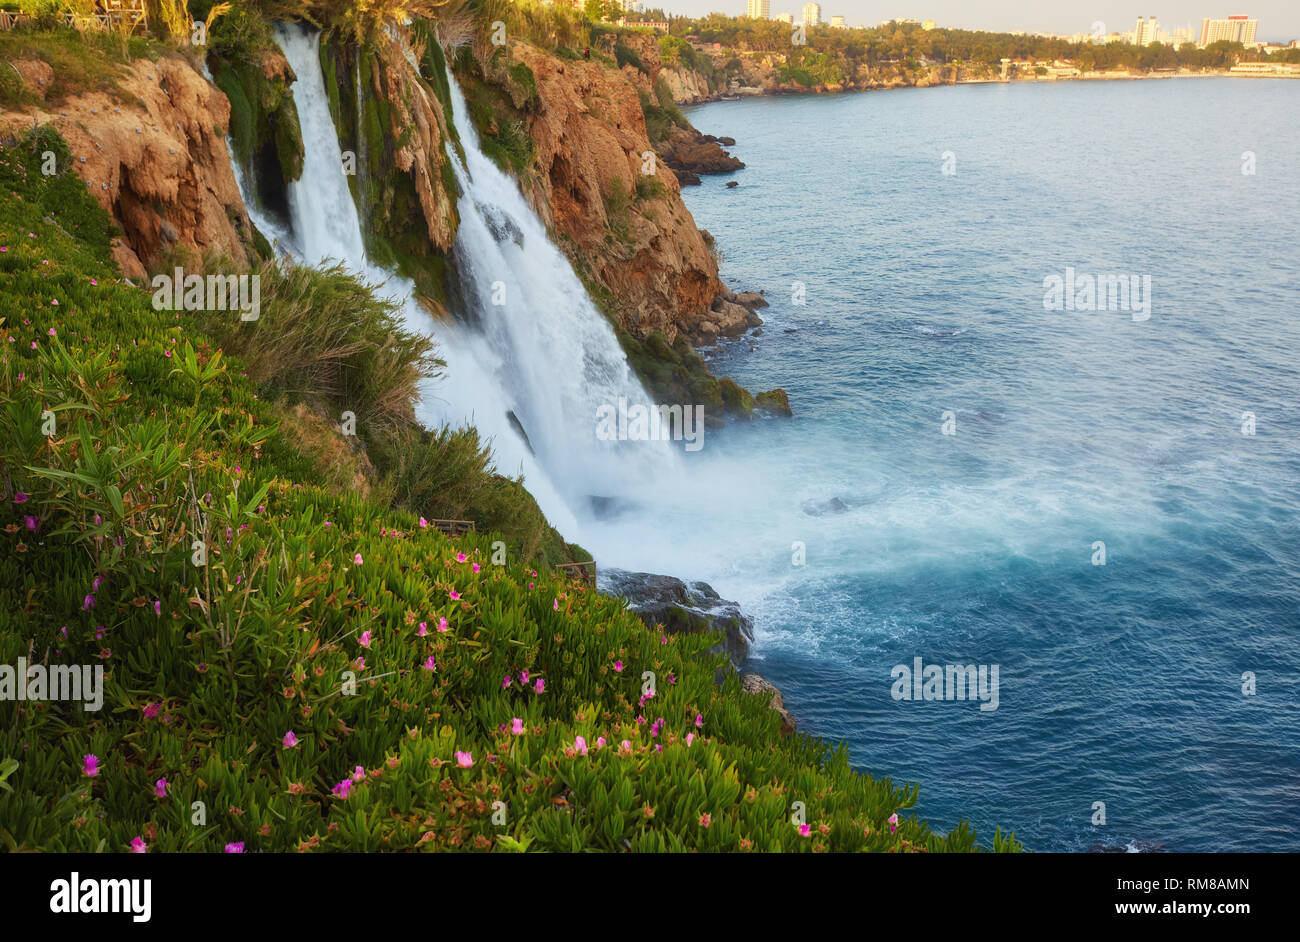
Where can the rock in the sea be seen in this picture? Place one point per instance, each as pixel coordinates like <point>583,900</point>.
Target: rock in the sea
<point>688,149</point>
<point>732,318</point>
<point>732,184</point>
<point>756,684</point>
<point>750,299</point>
<point>682,608</point>
<point>774,400</point>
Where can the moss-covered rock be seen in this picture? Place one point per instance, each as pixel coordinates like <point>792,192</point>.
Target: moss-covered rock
<point>737,399</point>
<point>775,401</point>
<point>253,73</point>
<point>405,188</point>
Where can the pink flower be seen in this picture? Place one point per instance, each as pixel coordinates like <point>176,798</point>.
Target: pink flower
<point>160,788</point>
<point>523,677</point>
<point>600,742</point>
<point>357,559</point>
<point>91,765</point>
<point>138,846</point>
<point>618,667</point>
<point>423,523</point>
<point>424,629</point>
<point>540,685</point>
<point>893,822</point>
<point>88,603</point>
<point>52,333</point>
<point>358,774</point>
<point>464,759</point>
<point>454,595</point>
<point>517,726</point>
<point>364,640</point>
<point>555,605</point>
<point>428,663</point>
<point>690,737</point>
<point>699,721</point>
<point>705,820</point>
<point>461,557</point>
<point>475,567</point>
<point>580,745</point>
<point>31,522</point>
<point>359,663</point>
<point>236,848</point>
<point>20,498</point>
<point>442,624</point>
<point>290,740</point>
<point>624,747</point>
<point>157,609</point>
<point>343,788</point>
<point>505,682</point>
<point>805,830</point>
<point>151,710</point>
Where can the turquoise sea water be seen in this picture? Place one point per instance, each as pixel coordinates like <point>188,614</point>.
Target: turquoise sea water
<point>1119,683</point>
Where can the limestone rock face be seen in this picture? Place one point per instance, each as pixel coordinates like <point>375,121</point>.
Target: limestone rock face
<point>417,120</point>
<point>688,86</point>
<point>160,165</point>
<point>629,229</point>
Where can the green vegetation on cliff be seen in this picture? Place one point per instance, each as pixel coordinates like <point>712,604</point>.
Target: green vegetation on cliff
<point>310,663</point>
<point>250,70</point>
<point>79,63</point>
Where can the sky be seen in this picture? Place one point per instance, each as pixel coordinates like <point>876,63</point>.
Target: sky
<point>1279,20</point>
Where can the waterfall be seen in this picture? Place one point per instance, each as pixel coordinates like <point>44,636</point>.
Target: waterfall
<point>531,360</point>
<point>553,350</point>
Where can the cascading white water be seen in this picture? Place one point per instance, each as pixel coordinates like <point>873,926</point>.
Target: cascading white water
<point>532,345</point>
<point>555,353</point>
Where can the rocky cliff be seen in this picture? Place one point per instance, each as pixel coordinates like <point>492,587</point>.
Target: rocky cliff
<point>749,73</point>
<point>152,151</point>
<point>600,185</point>
<point>594,146</point>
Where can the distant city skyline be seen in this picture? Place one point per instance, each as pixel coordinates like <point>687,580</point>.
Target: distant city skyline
<point>1279,20</point>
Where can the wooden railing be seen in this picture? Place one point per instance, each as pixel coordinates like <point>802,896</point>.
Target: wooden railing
<point>453,527</point>
<point>100,22</point>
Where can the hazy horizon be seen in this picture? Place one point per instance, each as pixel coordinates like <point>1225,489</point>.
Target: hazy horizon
<point>1279,21</point>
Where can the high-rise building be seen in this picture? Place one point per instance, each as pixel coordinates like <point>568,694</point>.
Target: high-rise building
<point>927,25</point>
<point>812,14</point>
<point>837,22</point>
<point>760,9</point>
<point>1236,29</point>
<point>1147,31</point>
<point>786,18</point>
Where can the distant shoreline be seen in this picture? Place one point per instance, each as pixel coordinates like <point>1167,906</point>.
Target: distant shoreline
<point>751,92</point>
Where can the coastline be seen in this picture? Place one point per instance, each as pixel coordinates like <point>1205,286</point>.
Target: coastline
<point>742,93</point>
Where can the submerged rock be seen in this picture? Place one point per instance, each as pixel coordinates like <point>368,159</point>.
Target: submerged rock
<point>682,608</point>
